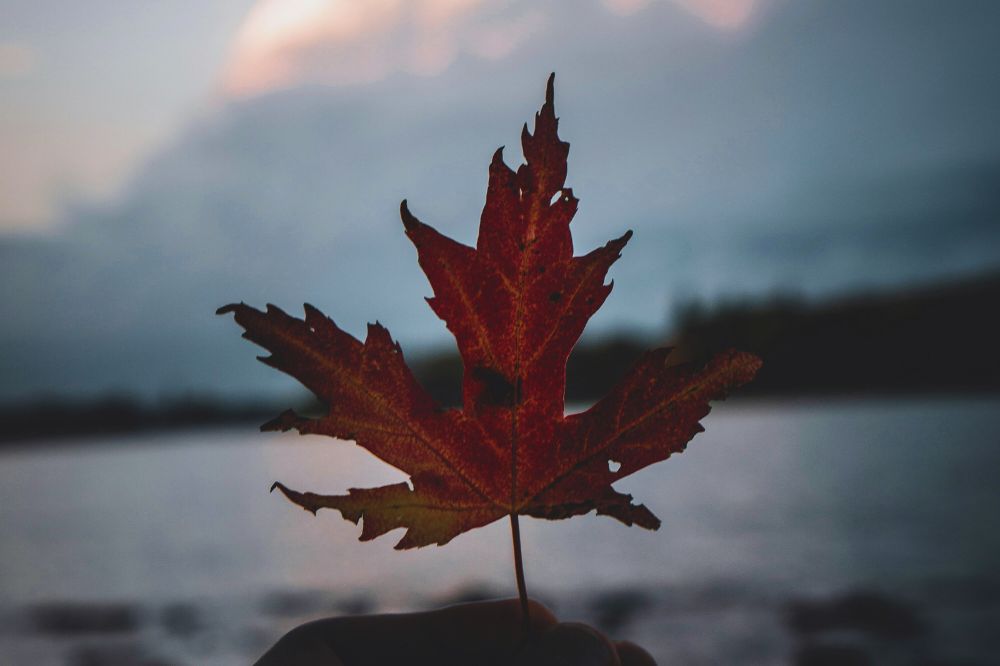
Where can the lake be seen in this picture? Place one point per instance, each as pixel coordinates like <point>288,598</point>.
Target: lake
<point>168,549</point>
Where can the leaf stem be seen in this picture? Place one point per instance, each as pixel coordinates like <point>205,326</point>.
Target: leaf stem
<point>522,590</point>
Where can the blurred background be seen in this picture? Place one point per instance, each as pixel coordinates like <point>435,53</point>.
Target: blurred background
<point>818,182</point>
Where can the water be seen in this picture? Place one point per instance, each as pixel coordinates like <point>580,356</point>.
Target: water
<point>775,501</point>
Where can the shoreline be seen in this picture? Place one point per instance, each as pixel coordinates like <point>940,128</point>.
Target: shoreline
<point>23,426</point>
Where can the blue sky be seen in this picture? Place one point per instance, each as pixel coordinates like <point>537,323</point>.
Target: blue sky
<point>162,159</point>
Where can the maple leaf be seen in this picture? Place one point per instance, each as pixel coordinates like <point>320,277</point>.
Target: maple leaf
<point>516,304</point>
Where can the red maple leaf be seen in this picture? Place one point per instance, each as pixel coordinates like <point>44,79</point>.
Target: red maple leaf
<point>516,304</point>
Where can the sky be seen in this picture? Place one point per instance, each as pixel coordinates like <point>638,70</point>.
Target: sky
<point>161,159</point>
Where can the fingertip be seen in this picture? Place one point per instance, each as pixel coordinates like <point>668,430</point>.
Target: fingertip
<point>539,616</point>
<point>496,626</point>
<point>631,654</point>
<point>569,644</point>
<point>504,612</point>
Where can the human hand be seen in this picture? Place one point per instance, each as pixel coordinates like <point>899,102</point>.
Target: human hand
<point>486,633</point>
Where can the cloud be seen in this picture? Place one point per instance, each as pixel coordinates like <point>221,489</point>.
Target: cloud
<point>16,60</point>
<point>722,14</point>
<point>283,43</point>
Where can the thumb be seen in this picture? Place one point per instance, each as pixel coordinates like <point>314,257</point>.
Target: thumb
<point>568,644</point>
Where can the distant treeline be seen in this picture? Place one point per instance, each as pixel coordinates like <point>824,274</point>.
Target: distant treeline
<point>934,339</point>
<point>54,418</point>
<point>940,339</point>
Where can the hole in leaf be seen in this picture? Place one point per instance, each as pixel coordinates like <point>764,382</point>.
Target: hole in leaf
<point>555,197</point>
<point>409,484</point>
<point>614,465</point>
<point>496,389</point>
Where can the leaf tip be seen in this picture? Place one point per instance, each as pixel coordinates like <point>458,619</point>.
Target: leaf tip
<point>231,307</point>
<point>745,365</point>
<point>409,221</point>
<point>646,518</point>
<point>283,422</point>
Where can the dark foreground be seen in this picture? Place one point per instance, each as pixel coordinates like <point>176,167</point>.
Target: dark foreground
<point>945,622</point>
